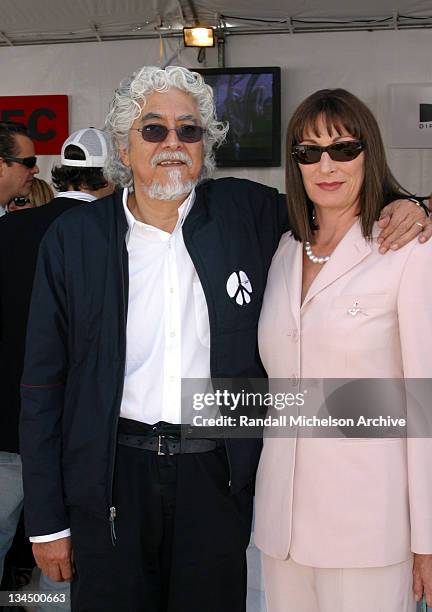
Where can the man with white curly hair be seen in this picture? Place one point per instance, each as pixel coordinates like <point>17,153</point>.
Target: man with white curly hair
<point>161,282</point>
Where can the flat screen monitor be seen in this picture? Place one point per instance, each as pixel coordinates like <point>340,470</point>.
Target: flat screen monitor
<point>249,99</point>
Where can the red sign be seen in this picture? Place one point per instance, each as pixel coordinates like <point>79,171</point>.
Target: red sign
<point>46,118</point>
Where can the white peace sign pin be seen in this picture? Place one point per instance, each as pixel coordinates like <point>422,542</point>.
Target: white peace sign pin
<point>239,287</point>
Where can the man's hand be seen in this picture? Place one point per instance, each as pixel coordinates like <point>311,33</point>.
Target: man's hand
<point>55,558</point>
<point>400,222</point>
<point>422,577</point>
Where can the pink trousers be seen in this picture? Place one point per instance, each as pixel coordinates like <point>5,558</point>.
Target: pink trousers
<point>291,587</point>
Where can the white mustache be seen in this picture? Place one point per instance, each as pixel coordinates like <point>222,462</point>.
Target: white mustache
<point>171,156</point>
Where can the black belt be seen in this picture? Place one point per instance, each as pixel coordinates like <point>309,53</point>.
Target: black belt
<point>166,444</point>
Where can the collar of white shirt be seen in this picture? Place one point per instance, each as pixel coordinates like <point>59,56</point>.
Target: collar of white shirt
<point>183,212</point>
<point>76,195</point>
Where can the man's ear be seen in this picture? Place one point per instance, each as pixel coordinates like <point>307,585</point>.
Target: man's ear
<point>124,155</point>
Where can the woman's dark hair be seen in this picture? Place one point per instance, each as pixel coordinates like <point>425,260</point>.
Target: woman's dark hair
<point>64,177</point>
<point>340,111</point>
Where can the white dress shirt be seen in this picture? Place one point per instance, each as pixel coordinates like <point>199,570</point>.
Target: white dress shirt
<point>168,331</point>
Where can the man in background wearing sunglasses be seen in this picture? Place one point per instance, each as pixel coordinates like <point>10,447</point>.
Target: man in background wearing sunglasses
<point>79,180</point>
<point>17,169</point>
<point>160,282</point>
<point>18,163</point>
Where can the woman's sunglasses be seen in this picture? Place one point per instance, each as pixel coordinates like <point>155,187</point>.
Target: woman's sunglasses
<point>155,132</point>
<point>28,162</point>
<point>339,151</point>
<point>21,202</point>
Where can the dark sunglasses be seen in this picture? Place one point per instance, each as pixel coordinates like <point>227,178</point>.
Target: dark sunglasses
<point>339,151</point>
<point>155,132</point>
<point>28,162</point>
<point>21,201</point>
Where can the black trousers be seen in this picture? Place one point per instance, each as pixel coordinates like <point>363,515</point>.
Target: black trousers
<point>181,539</point>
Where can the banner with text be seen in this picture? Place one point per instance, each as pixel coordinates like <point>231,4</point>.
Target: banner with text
<point>46,118</point>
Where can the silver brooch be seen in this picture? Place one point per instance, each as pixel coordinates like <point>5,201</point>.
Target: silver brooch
<point>355,309</point>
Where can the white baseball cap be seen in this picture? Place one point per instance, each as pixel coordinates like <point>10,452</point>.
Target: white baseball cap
<point>92,142</point>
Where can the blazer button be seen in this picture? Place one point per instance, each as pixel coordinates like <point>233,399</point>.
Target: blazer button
<point>294,379</point>
<point>293,334</point>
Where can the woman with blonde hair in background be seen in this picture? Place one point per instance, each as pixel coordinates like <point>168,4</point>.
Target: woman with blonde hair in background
<point>40,193</point>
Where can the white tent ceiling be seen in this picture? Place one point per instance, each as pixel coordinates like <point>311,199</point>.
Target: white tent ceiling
<point>55,21</point>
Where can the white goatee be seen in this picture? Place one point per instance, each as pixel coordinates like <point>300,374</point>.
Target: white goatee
<point>173,189</point>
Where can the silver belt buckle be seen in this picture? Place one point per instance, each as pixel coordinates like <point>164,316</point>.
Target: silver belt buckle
<point>160,453</point>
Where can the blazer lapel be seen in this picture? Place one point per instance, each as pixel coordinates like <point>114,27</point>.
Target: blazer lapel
<point>352,249</point>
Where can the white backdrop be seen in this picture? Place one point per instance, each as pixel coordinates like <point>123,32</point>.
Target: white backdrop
<point>363,62</point>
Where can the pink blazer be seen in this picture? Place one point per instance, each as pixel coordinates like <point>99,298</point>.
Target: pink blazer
<point>347,502</point>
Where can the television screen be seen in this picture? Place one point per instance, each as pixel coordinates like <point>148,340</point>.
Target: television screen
<point>249,99</point>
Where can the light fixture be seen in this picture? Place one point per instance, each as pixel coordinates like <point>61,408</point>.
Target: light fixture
<point>198,37</point>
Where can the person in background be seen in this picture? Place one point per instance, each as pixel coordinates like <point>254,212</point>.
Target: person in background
<point>40,193</point>
<point>80,180</point>
<point>80,174</point>
<point>345,523</point>
<point>18,163</point>
<point>18,166</point>
<point>159,282</point>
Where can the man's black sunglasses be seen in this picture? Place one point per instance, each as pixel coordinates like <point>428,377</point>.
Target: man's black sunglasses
<point>155,132</point>
<point>28,162</point>
<point>338,151</point>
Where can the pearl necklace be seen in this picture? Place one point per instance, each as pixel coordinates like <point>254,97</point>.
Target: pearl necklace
<point>312,257</point>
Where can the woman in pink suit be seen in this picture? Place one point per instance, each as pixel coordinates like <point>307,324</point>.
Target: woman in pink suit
<point>344,524</point>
